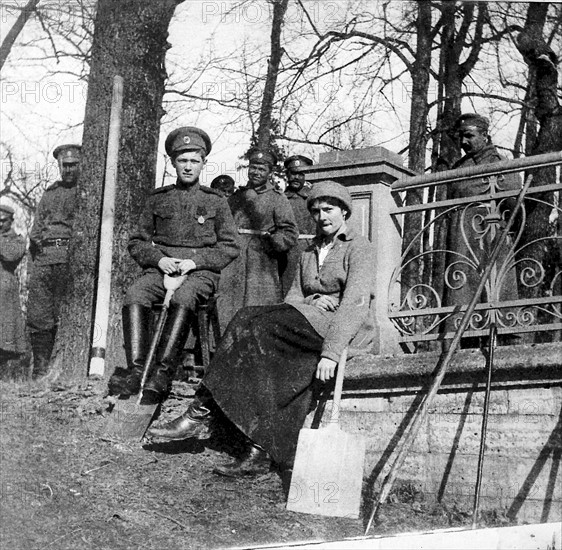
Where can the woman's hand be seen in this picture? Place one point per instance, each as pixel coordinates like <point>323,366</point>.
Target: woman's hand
<point>326,303</point>
<point>326,369</point>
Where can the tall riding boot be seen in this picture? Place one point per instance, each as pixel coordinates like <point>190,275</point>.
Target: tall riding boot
<point>195,422</point>
<point>42,343</point>
<point>136,331</point>
<point>168,352</point>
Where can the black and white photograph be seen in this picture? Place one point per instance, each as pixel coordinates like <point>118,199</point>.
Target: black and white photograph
<point>280,274</point>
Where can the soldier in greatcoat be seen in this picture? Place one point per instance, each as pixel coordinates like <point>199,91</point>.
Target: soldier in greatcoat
<point>297,193</point>
<point>267,229</point>
<point>49,241</point>
<point>472,227</point>
<point>184,228</point>
<point>12,325</point>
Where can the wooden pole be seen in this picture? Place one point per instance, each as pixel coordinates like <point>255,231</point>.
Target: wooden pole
<point>99,338</point>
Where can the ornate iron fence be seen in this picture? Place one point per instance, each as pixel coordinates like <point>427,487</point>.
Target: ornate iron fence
<point>524,291</point>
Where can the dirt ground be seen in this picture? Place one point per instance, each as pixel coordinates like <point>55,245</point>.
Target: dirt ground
<point>65,486</point>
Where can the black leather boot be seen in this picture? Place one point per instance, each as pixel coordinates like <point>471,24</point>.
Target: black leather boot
<point>136,337</point>
<point>195,422</point>
<point>42,343</point>
<point>254,461</point>
<point>168,352</point>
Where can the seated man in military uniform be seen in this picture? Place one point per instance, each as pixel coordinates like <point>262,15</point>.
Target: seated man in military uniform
<point>184,228</point>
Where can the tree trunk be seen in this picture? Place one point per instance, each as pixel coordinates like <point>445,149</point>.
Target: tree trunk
<point>414,270</point>
<point>533,46</point>
<point>129,40</point>
<point>10,38</point>
<point>266,112</point>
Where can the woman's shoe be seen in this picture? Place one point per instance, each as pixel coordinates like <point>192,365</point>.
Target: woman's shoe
<point>195,422</point>
<point>255,461</point>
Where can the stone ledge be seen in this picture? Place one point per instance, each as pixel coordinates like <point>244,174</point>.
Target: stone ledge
<point>533,363</point>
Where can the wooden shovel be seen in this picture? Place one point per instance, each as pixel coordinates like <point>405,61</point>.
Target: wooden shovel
<point>130,419</point>
<point>328,470</point>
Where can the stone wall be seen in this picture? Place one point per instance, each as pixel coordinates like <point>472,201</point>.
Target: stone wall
<point>522,477</point>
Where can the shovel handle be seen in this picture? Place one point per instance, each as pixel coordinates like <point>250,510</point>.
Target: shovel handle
<point>335,416</point>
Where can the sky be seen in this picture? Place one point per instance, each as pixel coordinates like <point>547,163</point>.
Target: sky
<point>42,99</point>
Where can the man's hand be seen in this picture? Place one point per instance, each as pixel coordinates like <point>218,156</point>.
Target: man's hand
<point>168,265</point>
<point>326,303</point>
<point>326,369</point>
<point>185,266</point>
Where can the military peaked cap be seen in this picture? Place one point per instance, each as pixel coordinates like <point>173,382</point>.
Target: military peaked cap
<point>472,119</point>
<point>188,138</point>
<point>262,156</point>
<point>69,152</point>
<point>223,179</point>
<point>296,162</point>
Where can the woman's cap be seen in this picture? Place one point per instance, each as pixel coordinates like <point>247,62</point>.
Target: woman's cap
<point>330,188</point>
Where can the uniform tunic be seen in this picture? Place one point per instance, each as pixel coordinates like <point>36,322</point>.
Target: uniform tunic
<point>253,278</point>
<point>262,374</point>
<point>469,239</point>
<point>52,228</point>
<point>305,223</point>
<point>186,222</point>
<point>12,327</point>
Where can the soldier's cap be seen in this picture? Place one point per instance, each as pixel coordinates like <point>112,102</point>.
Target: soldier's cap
<point>296,162</point>
<point>69,152</point>
<point>187,138</point>
<point>330,189</point>
<point>262,156</point>
<point>472,119</point>
<point>8,209</point>
<point>223,179</point>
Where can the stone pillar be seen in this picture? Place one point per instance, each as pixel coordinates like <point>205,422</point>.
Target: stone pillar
<point>368,174</point>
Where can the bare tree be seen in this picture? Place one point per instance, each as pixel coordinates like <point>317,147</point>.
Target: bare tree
<point>129,40</point>
<point>17,27</point>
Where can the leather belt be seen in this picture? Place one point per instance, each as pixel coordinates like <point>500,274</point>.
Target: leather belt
<point>59,243</point>
<point>302,237</point>
<point>252,232</point>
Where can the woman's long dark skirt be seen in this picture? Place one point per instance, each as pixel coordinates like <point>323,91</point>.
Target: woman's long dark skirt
<point>261,375</point>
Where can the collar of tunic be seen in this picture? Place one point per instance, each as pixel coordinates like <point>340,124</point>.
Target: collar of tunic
<point>261,188</point>
<point>303,193</point>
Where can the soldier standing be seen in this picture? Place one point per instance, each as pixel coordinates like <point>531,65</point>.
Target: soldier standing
<point>184,228</point>
<point>12,326</point>
<point>297,193</point>
<point>472,227</point>
<point>267,228</point>
<point>49,240</point>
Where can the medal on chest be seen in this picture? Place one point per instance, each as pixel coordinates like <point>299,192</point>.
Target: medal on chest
<point>201,212</point>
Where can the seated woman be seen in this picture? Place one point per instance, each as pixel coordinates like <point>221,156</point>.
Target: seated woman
<point>263,370</point>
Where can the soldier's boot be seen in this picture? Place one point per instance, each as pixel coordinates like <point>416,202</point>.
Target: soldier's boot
<point>195,422</point>
<point>136,337</point>
<point>42,343</point>
<point>168,352</point>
